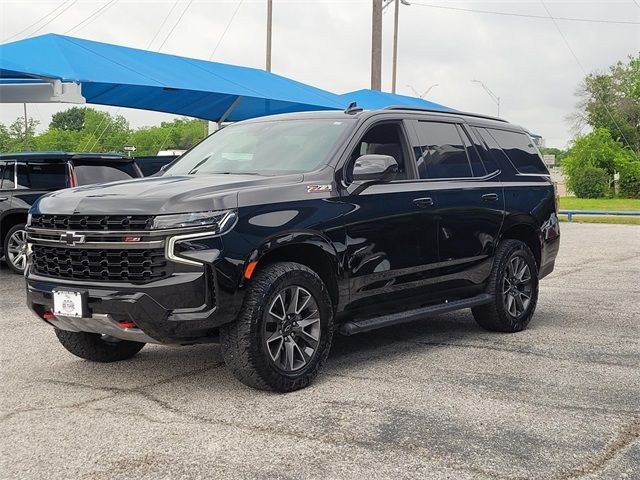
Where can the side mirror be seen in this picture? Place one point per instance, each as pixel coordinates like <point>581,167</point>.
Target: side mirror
<point>376,168</point>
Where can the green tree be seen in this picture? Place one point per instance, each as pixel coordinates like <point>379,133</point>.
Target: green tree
<point>590,182</point>
<point>180,134</point>
<point>17,134</point>
<point>71,119</point>
<point>104,132</point>
<point>600,150</point>
<point>612,100</point>
<point>5,139</point>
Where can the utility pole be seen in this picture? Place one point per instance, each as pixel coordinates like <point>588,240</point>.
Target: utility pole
<point>26,129</point>
<point>395,46</point>
<point>376,46</point>
<point>269,22</point>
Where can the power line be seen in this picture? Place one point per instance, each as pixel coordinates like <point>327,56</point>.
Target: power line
<point>115,112</point>
<point>36,22</point>
<point>175,4</point>
<point>584,71</point>
<point>83,23</point>
<point>509,14</point>
<point>52,19</point>
<point>175,25</point>
<point>226,28</point>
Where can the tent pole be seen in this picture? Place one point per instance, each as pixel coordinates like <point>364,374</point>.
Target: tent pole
<point>26,129</point>
<point>231,108</point>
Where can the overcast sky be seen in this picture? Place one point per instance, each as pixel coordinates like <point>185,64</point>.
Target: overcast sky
<point>327,44</point>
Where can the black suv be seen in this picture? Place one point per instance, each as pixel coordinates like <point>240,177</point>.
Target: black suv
<point>24,177</point>
<point>273,233</point>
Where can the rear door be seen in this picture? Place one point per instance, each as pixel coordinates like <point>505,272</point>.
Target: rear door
<point>470,206</point>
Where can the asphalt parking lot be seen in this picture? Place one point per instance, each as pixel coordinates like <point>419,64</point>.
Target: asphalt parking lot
<point>434,399</point>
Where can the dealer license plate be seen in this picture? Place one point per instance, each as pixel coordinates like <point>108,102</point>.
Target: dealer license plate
<point>67,304</point>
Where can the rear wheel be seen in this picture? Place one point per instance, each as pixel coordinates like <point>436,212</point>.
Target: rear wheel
<point>514,286</point>
<point>96,347</point>
<point>15,248</point>
<point>283,334</point>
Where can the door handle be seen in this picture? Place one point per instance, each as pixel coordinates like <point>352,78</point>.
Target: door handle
<point>490,197</point>
<point>3,199</point>
<point>423,202</point>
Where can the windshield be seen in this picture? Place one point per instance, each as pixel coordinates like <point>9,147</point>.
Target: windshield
<point>263,148</point>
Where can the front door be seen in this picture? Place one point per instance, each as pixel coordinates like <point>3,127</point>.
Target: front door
<point>391,232</point>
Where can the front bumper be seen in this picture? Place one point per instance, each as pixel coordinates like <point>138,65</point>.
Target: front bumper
<point>162,310</point>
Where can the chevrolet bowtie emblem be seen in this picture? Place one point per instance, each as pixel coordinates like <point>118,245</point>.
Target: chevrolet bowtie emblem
<point>72,238</point>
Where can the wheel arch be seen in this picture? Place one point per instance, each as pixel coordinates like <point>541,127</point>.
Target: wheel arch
<point>524,230</point>
<point>9,219</point>
<point>307,248</point>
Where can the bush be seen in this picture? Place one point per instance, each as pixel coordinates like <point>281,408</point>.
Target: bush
<point>590,182</point>
<point>629,183</point>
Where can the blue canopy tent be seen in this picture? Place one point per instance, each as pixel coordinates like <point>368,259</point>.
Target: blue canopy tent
<point>77,70</point>
<point>373,99</point>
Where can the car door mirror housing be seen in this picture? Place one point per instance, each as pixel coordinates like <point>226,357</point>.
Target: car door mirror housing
<point>375,168</point>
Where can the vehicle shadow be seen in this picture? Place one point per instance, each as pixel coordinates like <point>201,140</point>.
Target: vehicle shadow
<point>349,355</point>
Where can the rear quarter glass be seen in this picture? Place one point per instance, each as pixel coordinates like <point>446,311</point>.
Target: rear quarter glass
<point>521,151</point>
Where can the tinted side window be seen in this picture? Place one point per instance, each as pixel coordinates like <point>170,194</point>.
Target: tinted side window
<point>382,139</point>
<point>43,176</point>
<point>7,179</point>
<point>474,157</point>
<point>442,151</point>
<point>496,155</point>
<point>521,151</point>
<point>88,172</point>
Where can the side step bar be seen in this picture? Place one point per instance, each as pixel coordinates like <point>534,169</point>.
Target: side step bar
<point>358,326</point>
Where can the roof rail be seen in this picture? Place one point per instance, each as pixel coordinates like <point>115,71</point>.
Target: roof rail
<point>455,112</point>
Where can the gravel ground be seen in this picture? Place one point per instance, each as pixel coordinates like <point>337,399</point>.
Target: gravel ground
<point>434,399</point>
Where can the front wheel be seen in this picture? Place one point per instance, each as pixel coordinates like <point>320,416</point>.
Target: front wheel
<point>283,334</point>
<point>15,248</point>
<point>96,347</point>
<point>513,283</point>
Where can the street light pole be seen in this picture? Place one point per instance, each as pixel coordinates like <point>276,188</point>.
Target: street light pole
<point>376,45</point>
<point>493,96</point>
<point>426,92</point>
<point>269,23</point>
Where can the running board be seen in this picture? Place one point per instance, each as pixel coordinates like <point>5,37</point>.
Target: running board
<point>358,326</point>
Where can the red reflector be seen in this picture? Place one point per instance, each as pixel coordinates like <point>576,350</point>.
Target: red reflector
<point>48,316</point>
<point>128,325</point>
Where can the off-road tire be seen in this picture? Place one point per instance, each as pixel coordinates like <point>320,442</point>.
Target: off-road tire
<point>91,346</point>
<point>5,247</point>
<point>494,316</point>
<point>242,340</point>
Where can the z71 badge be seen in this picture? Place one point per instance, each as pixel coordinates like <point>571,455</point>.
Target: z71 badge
<point>318,188</point>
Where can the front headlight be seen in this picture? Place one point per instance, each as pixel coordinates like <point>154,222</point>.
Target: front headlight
<point>219,220</point>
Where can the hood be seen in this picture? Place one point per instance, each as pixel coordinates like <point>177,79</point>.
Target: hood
<point>156,195</point>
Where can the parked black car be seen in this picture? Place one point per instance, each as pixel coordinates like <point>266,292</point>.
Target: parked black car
<point>24,177</point>
<point>152,164</point>
<point>276,232</point>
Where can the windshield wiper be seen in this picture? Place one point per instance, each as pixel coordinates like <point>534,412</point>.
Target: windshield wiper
<point>234,173</point>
